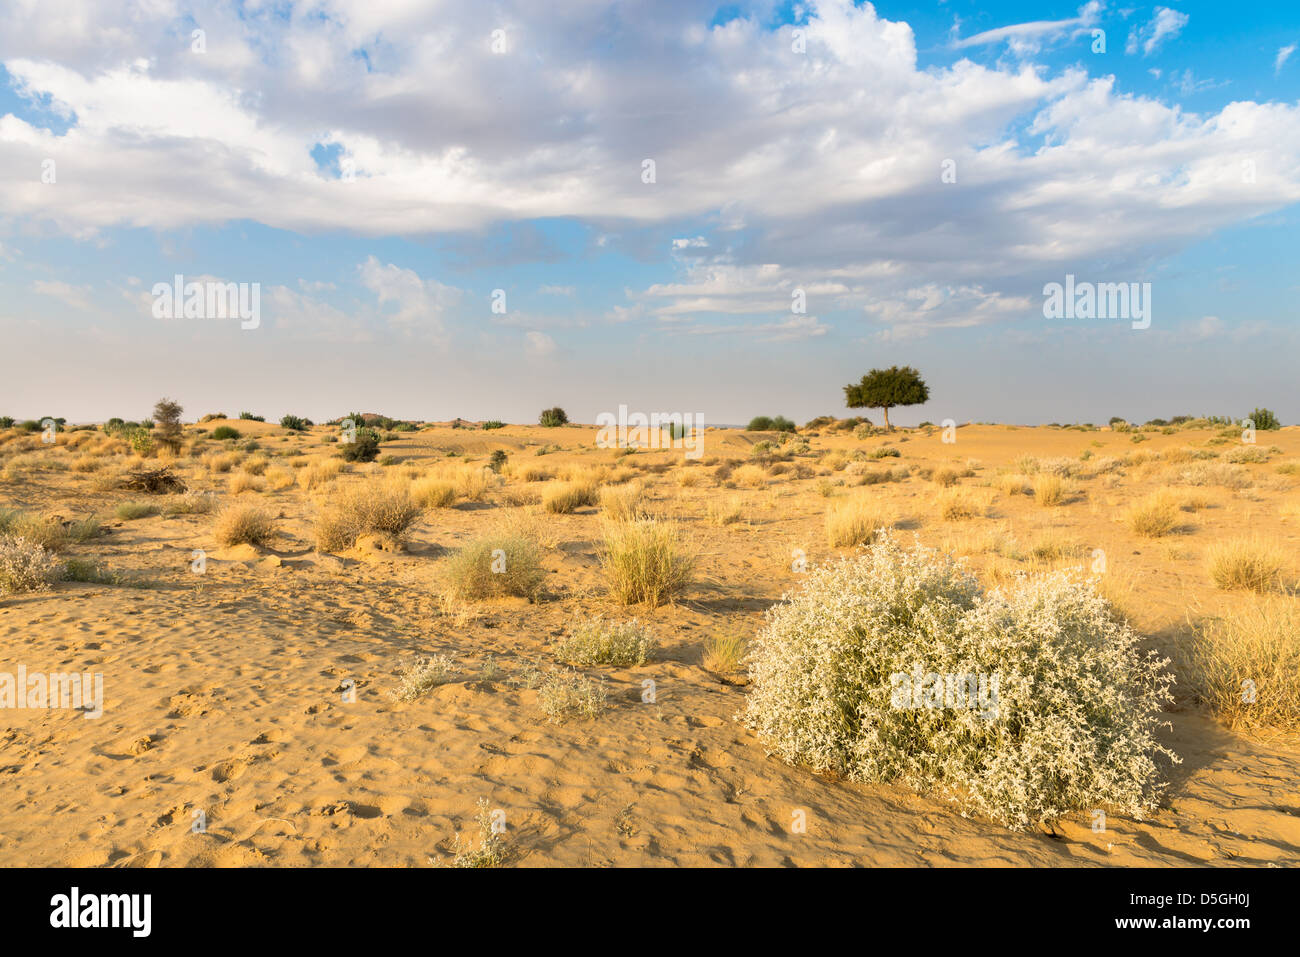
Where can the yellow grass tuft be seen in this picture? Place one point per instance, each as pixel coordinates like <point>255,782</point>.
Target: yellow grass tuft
<point>646,561</point>
<point>855,521</point>
<point>1155,516</point>
<point>1246,563</point>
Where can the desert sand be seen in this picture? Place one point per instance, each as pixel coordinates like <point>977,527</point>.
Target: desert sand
<point>226,691</point>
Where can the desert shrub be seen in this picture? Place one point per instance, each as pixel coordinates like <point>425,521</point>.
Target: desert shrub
<point>883,452</point>
<point>26,566</point>
<point>43,530</point>
<point>190,503</point>
<point>422,676</point>
<point>365,447</point>
<point>646,561</point>
<point>386,509</point>
<point>280,479</point>
<point>496,566</point>
<point>1222,474</point>
<point>1245,563</point>
<point>295,423</point>
<point>892,666</point>
<point>566,693</point>
<point>319,472</point>
<point>141,442</point>
<point>594,641</point>
<point>563,497</point>
<point>1155,516</point>
<point>854,521</point>
<point>243,525</point>
<point>1245,667</point>
<point>131,511</point>
<point>945,477</point>
<point>497,460</point>
<point>553,417</point>
<point>494,424</point>
<point>225,432</point>
<point>1265,420</point>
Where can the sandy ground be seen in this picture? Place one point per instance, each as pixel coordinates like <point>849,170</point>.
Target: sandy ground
<point>225,693</point>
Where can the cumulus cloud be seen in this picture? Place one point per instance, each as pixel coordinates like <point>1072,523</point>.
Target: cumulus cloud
<point>775,170</point>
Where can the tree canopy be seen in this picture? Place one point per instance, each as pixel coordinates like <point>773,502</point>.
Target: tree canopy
<point>885,389</point>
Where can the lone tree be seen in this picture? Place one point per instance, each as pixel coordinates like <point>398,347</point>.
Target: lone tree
<point>886,388</point>
<point>167,424</point>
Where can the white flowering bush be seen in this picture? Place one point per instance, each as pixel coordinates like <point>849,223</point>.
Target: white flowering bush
<point>26,566</point>
<point>1022,704</point>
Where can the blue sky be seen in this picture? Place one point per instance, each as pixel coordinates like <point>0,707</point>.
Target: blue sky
<point>379,170</point>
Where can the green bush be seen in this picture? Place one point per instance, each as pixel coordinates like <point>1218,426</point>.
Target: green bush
<point>295,422</point>
<point>1265,421</point>
<point>225,432</point>
<point>364,449</point>
<point>551,418</point>
<point>249,417</point>
<point>494,424</point>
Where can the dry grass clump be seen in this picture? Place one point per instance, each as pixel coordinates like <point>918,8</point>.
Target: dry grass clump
<point>1222,474</point>
<point>244,525</point>
<point>1023,704</point>
<point>1050,489</point>
<point>386,509</point>
<point>564,694</point>
<point>86,463</point>
<point>241,482</point>
<point>750,476</point>
<point>280,479</point>
<point>724,654</point>
<point>1245,667</point>
<point>725,511</point>
<point>131,511</point>
<point>645,560</point>
<point>26,566</point>
<point>958,505</point>
<point>532,473</point>
<point>622,503</point>
<point>422,676</point>
<point>43,530</point>
<point>319,472</point>
<point>220,461</point>
<point>256,465</point>
<point>594,641</point>
<point>1013,484</point>
<point>1246,564</point>
<point>561,498</point>
<point>190,503</point>
<point>1155,516</point>
<point>945,477</point>
<point>496,566</point>
<point>434,492</point>
<point>855,521</point>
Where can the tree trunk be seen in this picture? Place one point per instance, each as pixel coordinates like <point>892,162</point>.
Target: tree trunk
<point>888,427</point>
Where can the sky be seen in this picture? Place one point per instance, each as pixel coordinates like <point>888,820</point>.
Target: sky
<point>486,209</point>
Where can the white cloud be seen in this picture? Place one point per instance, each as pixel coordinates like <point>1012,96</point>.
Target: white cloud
<point>818,171</point>
<point>1027,38</point>
<point>1283,54</point>
<point>78,297</point>
<point>415,305</point>
<point>539,343</point>
<point>1165,25</point>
